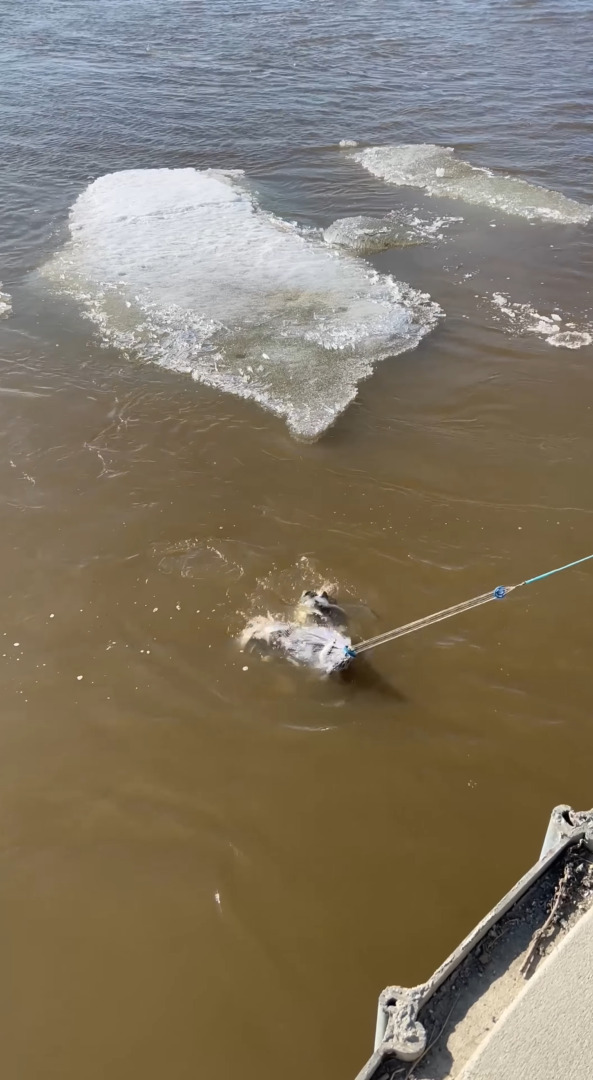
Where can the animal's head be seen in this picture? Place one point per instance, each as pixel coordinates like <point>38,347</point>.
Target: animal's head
<point>320,607</point>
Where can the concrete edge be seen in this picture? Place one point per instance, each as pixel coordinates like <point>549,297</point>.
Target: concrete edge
<point>399,1033</point>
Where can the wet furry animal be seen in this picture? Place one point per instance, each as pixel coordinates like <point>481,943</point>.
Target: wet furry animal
<point>315,637</point>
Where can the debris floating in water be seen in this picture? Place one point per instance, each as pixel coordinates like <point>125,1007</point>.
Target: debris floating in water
<point>524,319</point>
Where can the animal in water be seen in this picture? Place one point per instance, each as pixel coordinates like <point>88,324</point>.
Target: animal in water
<point>316,636</point>
<point>321,609</point>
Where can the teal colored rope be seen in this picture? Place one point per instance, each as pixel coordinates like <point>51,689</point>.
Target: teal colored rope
<point>549,573</point>
<point>419,624</point>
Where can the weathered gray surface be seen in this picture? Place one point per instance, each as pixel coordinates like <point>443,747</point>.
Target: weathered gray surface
<point>547,1032</point>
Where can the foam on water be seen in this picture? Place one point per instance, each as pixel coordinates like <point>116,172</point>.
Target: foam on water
<point>5,304</point>
<point>363,235</point>
<point>524,319</point>
<point>181,267</point>
<point>439,172</point>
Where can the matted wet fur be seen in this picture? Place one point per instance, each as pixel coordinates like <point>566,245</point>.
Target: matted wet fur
<point>315,637</point>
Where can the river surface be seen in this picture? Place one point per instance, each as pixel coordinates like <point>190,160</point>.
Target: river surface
<point>211,865</point>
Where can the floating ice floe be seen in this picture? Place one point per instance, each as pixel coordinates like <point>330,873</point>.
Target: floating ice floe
<point>439,172</point>
<point>182,267</point>
<point>5,304</point>
<point>363,235</point>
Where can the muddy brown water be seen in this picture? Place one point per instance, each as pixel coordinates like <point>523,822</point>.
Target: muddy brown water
<point>210,864</point>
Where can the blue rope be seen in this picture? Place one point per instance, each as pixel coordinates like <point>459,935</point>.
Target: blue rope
<point>549,573</point>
